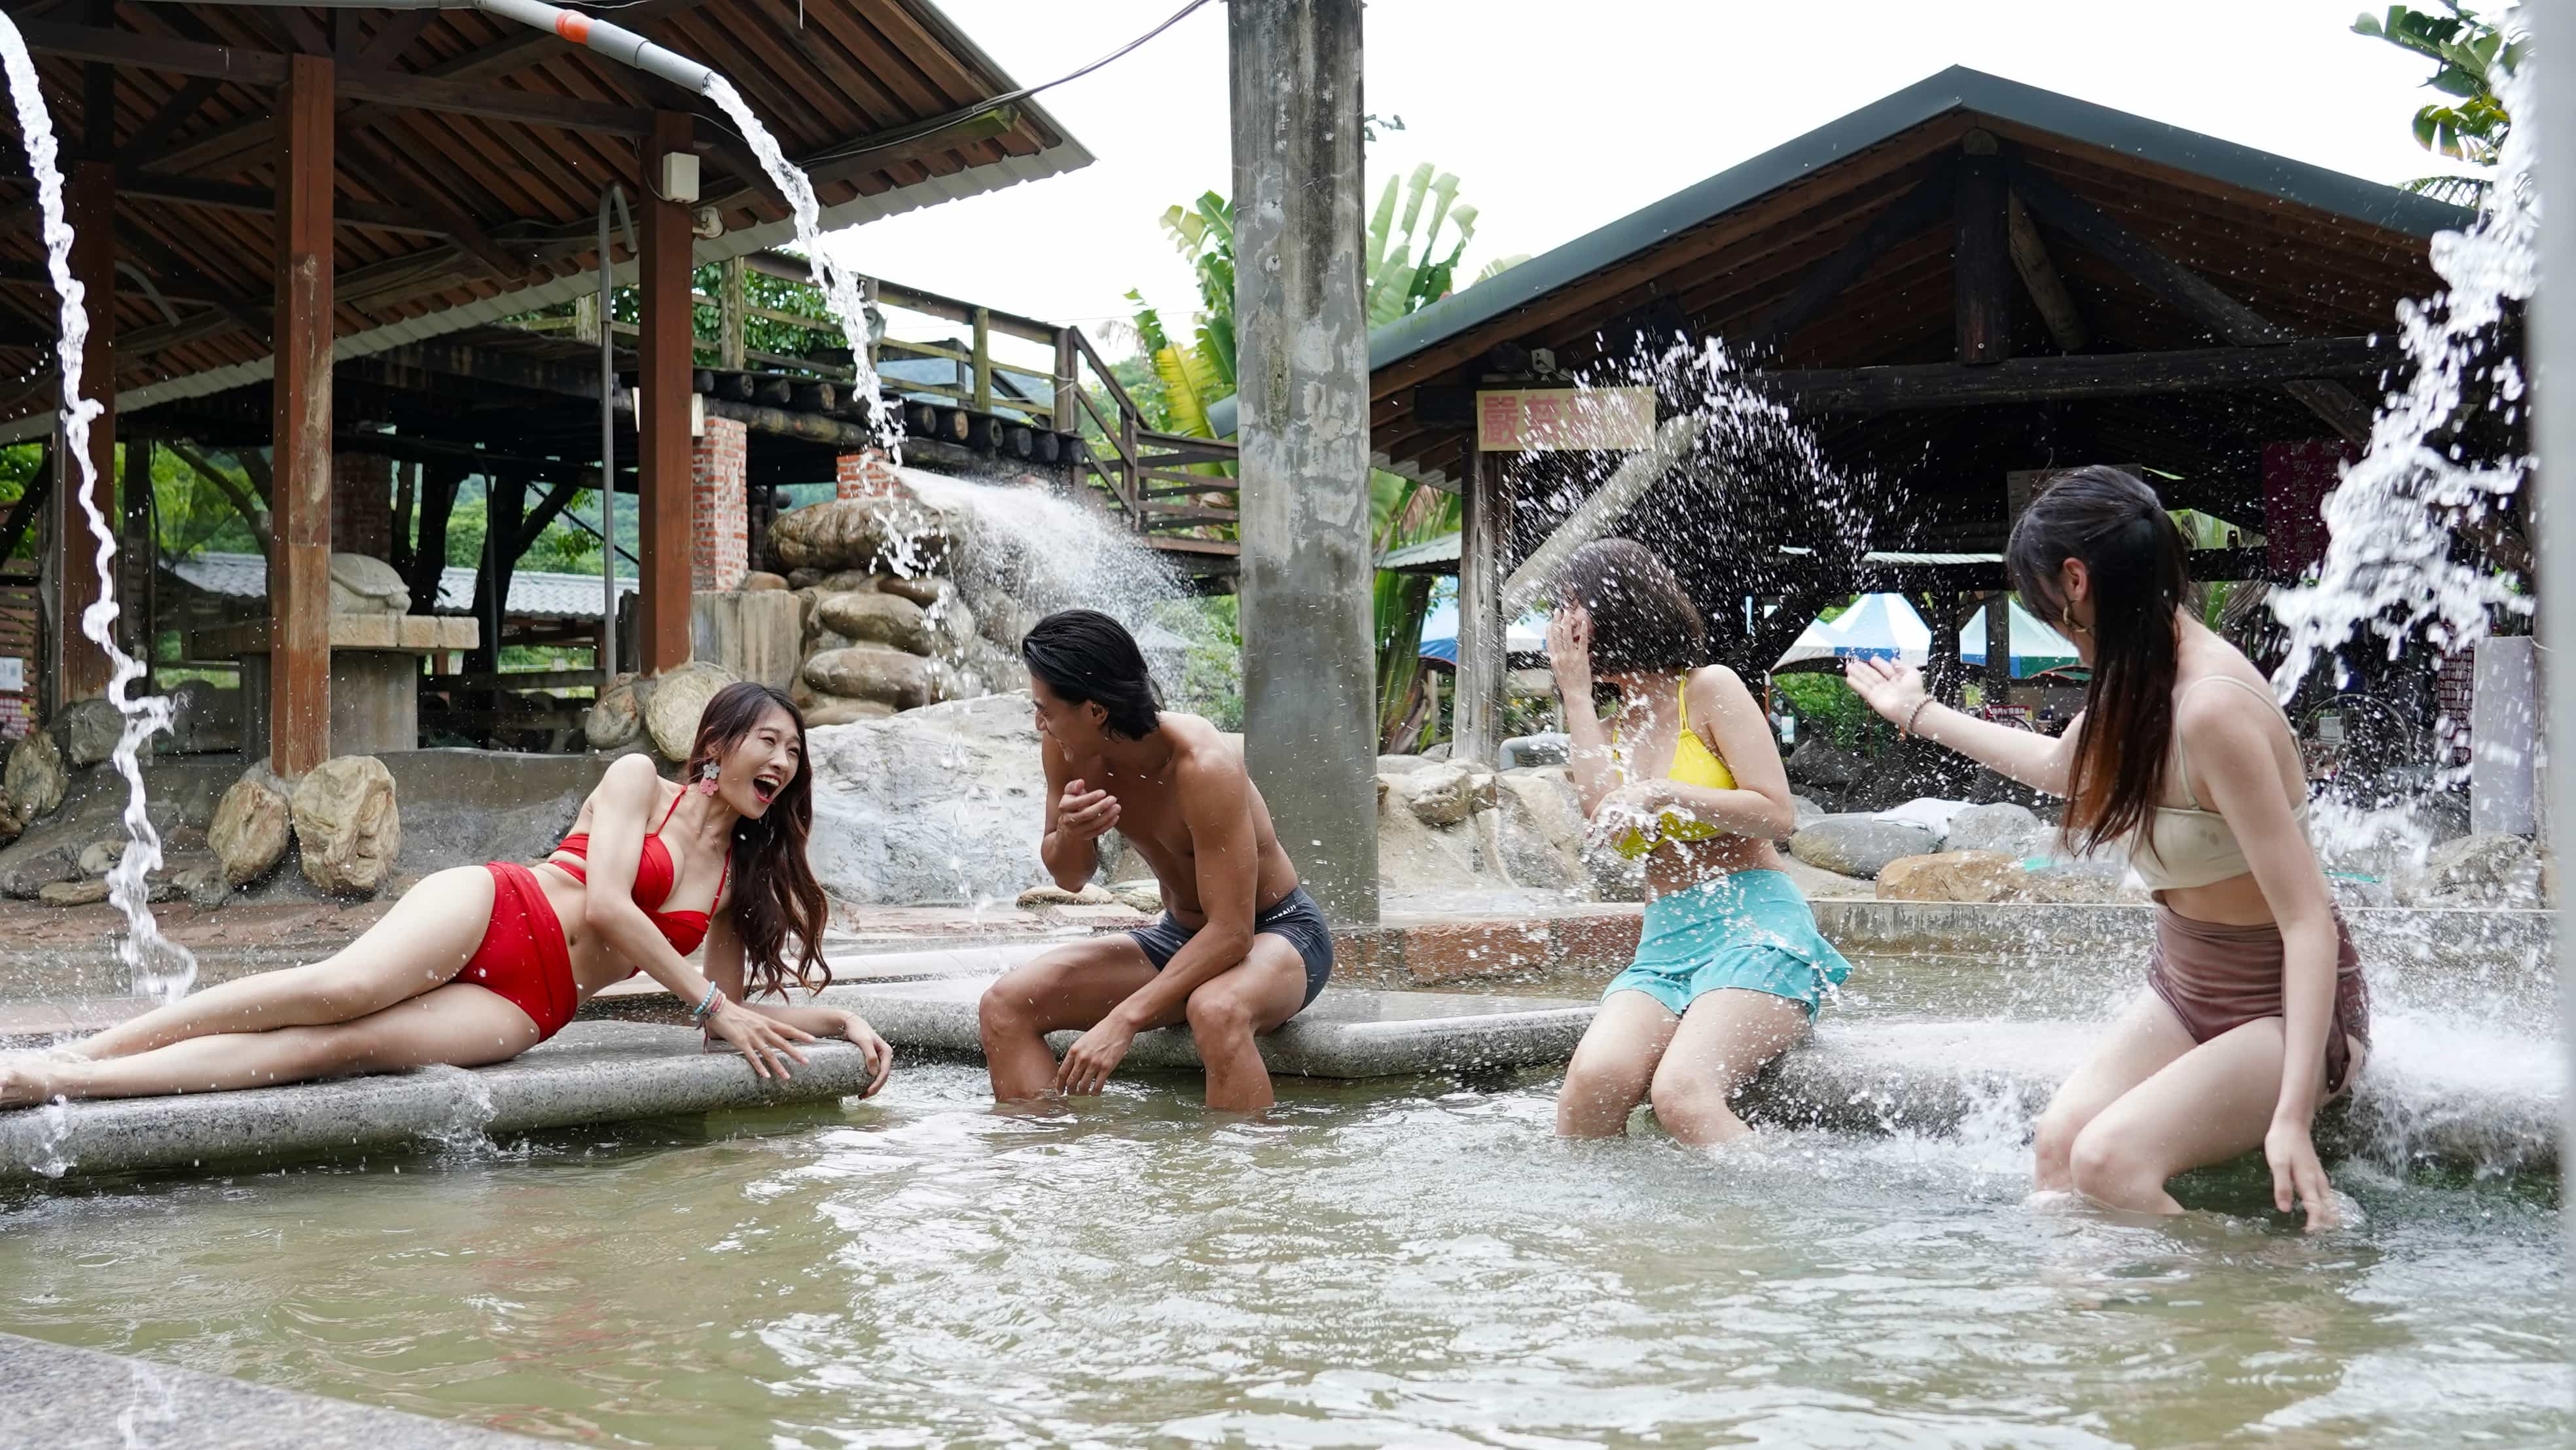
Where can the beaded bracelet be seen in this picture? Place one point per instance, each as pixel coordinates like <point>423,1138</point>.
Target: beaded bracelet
<point>1916,714</point>
<point>706,1004</point>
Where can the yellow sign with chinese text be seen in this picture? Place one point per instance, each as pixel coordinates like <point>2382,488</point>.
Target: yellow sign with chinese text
<point>1521,420</point>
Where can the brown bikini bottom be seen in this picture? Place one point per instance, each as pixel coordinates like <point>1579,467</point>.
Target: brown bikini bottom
<point>2218,978</point>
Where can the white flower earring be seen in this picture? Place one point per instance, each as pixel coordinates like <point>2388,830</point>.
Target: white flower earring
<point>707,774</point>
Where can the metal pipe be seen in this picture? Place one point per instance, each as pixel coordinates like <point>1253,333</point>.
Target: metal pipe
<point>614,41</point>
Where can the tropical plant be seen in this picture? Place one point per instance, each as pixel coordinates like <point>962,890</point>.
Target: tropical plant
<point>2470,54</point>
<point>1417,238</point>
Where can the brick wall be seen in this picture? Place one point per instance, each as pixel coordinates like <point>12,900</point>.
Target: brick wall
<point>719,522</point>
<point>362,504</point>
<point>864,474</point>
<point>2456,685</point>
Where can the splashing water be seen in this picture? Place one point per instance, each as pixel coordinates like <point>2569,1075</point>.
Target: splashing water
<point>158,966</point>
<point>840,286</point>
<point>2388,563</point>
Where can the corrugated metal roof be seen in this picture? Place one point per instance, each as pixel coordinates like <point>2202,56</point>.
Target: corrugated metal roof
<point>1440,556</point>
<point>534,594</point>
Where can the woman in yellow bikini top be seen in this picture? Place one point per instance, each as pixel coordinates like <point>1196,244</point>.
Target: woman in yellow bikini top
<point>1693,764</point>
<point>1729,967</point>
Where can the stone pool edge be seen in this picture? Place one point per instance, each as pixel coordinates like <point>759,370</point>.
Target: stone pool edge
<point>66,1398</point>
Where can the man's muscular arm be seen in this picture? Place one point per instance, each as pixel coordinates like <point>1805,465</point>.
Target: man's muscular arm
<point>1076,816</point>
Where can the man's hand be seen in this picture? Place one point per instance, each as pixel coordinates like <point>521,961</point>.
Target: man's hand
<point>1093,1056</point>
<point>1084,814</point>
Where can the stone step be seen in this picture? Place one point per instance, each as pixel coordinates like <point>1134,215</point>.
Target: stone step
<point>590,1073</point>
<point>81,1399</point>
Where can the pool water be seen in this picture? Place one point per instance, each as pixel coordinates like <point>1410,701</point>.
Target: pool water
<point>1372,1264</point>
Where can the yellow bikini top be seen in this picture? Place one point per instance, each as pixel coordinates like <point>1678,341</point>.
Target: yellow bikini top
<point>1693,764</point>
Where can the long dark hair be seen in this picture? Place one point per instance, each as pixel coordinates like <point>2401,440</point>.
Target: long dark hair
<point>2135,557</point>
<point>1642,618</point>
<point>1086,657</point>
<point>775,892</point>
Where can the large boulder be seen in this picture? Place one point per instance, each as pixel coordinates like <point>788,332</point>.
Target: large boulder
<point>348,828</point>
<point>937,805</point>
<point>363,584</point>
<point>1816,763</point>
<point>876,672</point>
<point>35,777</point>
<point>2488,869</point>
<point>88,730</point>
<point>2003,828</point>
<point>1952,876</point>
<point>1444,795</point>
<point>873,618</point>
<point>1860,845</point>
<point>617,719</point>
<point>833,710</point>
<point>925,590</point>
<point>679,697</point>
<point>897,535</point>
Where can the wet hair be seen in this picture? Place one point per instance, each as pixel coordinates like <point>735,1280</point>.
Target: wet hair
<point>775,893</point>
<point>1086,657</point>
<point>2135,557</point>
<point>1642,619</point>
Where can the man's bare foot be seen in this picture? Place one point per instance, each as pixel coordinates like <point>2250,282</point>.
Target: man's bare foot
<point>24,1082</point>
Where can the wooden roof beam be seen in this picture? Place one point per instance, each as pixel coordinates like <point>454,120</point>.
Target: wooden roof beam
<point>2039,277</point>
<point>2085,375</point>
<point>2196,296</point>
<point>1908,216</point>
<point>399,89</point>
<point>518,52</point>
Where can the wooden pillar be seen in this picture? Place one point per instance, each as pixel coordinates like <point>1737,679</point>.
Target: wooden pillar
<point>1998,648</point>
<point>79,666</point>
<point>1483,559</point>
<point>299,566</point>
<point>1065,383</point>
<point>1982,257</point>
<point>733,306</point>
<point>662,444</point>
<point>134,556</point>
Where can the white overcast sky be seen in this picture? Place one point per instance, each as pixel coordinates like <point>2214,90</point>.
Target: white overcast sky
<point>1559,117</point>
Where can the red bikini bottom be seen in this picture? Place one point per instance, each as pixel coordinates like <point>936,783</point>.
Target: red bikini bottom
<point>523,959</point>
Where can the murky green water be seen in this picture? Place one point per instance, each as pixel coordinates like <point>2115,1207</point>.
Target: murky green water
<point>1374,1265</point>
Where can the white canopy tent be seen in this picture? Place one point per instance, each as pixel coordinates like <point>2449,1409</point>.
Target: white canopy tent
<point>1876,627</point>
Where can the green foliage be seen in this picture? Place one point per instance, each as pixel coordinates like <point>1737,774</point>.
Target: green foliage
<point>1409,513</point>
<point>1828,710</point>
<point>2470,54</point>
<point>1405,279</point>
<point>1209,683</point>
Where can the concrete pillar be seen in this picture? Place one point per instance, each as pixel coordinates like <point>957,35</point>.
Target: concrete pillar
<point>864,474</point>
<point>1309,676</point>
<point>2552,352</point>
<point>663,470</point>
<point>299,566</point>
<point>719,512</point>
<point>1998,649</point>
<point>362,511</point>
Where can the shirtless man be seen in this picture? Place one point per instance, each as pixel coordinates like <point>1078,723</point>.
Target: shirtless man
<point>1241,947</point>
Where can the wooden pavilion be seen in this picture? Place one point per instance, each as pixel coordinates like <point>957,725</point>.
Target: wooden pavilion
<point>296,212</point>
<point>1951,291</point>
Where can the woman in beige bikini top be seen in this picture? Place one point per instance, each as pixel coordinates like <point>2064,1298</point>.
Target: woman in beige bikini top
<point>2255,1012</point>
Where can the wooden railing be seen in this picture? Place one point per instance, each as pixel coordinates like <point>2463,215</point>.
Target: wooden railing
<point>1167,484</point>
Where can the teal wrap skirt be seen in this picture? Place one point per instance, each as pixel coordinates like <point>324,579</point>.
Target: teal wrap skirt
<point>1751,930</point>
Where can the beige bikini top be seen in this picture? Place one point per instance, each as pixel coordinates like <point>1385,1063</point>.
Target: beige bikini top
<point>2192,846</point>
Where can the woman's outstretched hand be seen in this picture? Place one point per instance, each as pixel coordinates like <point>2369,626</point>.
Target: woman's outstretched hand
<point>1893,690</point>
<point>880,1057</point>
<point>1569,651</point>
<point>768,1043</point>
<point>2298,1178</point>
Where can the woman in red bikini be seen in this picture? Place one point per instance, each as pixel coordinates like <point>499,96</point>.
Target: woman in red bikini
<point>480,963</point>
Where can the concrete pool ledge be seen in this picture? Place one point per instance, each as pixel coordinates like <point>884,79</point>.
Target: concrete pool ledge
<point>592,1072</point>
<point>82,1399</point>
<point>1346,1034</point>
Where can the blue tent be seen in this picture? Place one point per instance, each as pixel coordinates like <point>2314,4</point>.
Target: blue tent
<point>2035,646</point>
<point>1528,635</point>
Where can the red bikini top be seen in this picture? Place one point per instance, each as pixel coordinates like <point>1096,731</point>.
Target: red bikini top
<point>654,877</point>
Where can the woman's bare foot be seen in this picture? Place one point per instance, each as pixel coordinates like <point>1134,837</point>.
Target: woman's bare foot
<point>24,1081</point>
